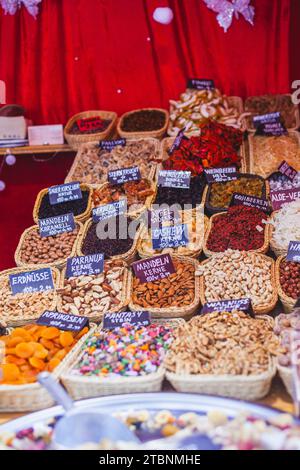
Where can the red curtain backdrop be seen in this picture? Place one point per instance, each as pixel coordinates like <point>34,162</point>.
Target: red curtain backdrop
<point>77,54</point>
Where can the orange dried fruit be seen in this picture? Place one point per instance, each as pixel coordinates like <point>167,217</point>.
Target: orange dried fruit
<point>37,363</point>
<point>10,372</point>
<point>53,363</point>
<point>10,350</point>
<point>47,343</point>
<point>19,361</point>
<point>14,340</point>
<point>23,333</point>
<point>24,350</point>
<point>66,339</point>
<point>39,350</point>
<point>60,354</point>
<point>82,333</point>
<point>25,367</point>
<point>50,332</point>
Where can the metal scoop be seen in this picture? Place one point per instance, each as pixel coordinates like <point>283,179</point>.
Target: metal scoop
<point>78,427</point>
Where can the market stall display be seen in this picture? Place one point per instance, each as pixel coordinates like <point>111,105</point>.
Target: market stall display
<point>190,197</point>
<point>285,227</point>
<point>288,282</point>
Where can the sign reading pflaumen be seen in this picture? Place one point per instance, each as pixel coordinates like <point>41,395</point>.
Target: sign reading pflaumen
<point>200,84</point>
<point>278,198</point>
<point>111,144</point>
<point>154,269</point>
<point>170,237</point>
<point>250,201</point>
<point>228,305</point>
<point>85,265</point>
<point>63,321</point>
<point>107,211</point>
<point>123,175</point>
<point>64,193</point>
<point>174,179</point>
<point>293,253</point>
<point>27,282</point>
<point>114,320</point>
<point>56,225</point>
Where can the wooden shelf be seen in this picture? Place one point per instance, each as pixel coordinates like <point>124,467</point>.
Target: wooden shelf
<point>37,149</point>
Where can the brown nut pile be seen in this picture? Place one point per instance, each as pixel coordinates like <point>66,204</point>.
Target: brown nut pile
<point>290,278</point>
<point>284,325</point>
<point>95,163</point>
<point>39,250</point>
<point>23,307</point>
<point>93,295</point>
<point>238,274</point>
<point>176,290</point>
<point>222,343</point>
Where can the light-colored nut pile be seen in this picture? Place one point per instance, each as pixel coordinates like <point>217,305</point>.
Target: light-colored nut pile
<point>238,274</point>
<point>286,224</point>
<point>23,307</point>
<point>222,343</point>
<point>93,295</point>
<point>94,163</point>
<point>39,250</point>
<point>284,326</point>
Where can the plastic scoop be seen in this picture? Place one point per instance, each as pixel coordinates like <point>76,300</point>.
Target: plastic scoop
<point>78,427</point>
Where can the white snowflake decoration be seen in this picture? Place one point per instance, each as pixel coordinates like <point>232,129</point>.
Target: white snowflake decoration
<point>11,6</point>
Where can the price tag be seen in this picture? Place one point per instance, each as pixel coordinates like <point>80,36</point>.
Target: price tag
<point>287,170</point>
<point>177,141</point>
<point>154,269</point>
<point>111,144</point>
<point>27,282</point>
<point>64,193</point>
<point>123,175</point>
<point>90,124</point>
<point>220,175</point>
<point>200,84</point>
<point>63,321</point>
<point>109,210</point>
<point>244,305</point>
<point>115,320</point>
<point>174,179</point>
<point>55,225</point>
<point>170,237</point>
<point>283,196</point>
<point>293,253</point>
<point>157,217</point>
<point>269,124</point>
<point>85,265</point>
<point>250,201</point>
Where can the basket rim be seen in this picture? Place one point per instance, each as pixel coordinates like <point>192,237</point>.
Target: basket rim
<point>82,114</point>
<point>157,132</point>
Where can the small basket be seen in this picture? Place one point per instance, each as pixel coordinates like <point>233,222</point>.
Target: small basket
<point>286,376</point>
<point>128,257</point>
<point>211,210</point>
<point>32,397</point>
<point>60,263</point>
<point>87,387</point>
<point>287,302</point>
<point>252,151</point>
<point>258,310</point>
<point>75,140</point>
<point>171,312</point>
<point>80,218</point>
<point>97,317</point>
<point>52,306</point>
<point>263,249</point>
<point>93,147</point>
<point>158,134</point>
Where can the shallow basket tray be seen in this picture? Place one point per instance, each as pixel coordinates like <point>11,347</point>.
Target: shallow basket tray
<point>263,249</point>
<point>52,306</point>
<point>158,133</point>
<point>60,263</point>
<point>171,312</point>
<point>128,257</point>
<point>93,145</point>
<point>79,218</point>
<point>32,397</point>
<point>287,302</point>
<point>87,387</point>
<point>251,144</point>
<point>258,310</point>
<point>97,317</point>
<point>75,140</point>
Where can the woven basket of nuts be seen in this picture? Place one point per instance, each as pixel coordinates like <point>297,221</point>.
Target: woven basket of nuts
<point>34,249</point>
<point>223,353</point>
<point>175,296</point>
<point>19,309</point>
<point>81,208</point>
<point>94,295</point>
<point>81,387</point>
<point>285,272</point>
<point>284,227</point>
<point>19,390</point>
<point>142,122</point>
<point>239,274</point>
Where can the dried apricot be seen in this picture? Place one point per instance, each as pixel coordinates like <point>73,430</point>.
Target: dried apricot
<point>10,372</point>
<point>39,350</point>
<point>47,343</point>
<point>37,363</point>
<point>82,333</point>
<point>53,363</point>
<point>23,333</point>
<point>60,354</point>
<point>24,350</point>
<point>66,339</point>
<point>19,361</point>
<point>14,340</point>
<point>50,332</point>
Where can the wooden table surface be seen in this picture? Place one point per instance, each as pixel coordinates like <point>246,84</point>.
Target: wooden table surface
<point>37,149</point>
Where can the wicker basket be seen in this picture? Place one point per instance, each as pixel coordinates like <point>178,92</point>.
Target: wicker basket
<point>172,312</point>
<point>251,128</point>
<point>211,210</point>
<point>147,252</point>
<point>80,218</point>
<point>52,306</point>
<point>278,250</point>
<point>87,387</point>
<point>158,134</point>
<point>75,140</point>
<point>258,310</point>
<point>96,316</point>
<point>251,143</point>
<point>32,397</point>
<point>287,302</point>
<point>263,249</point>
<point>286,376</point>
<point>58,263</point>
<point>128,257</point>
<point>80,155</point>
